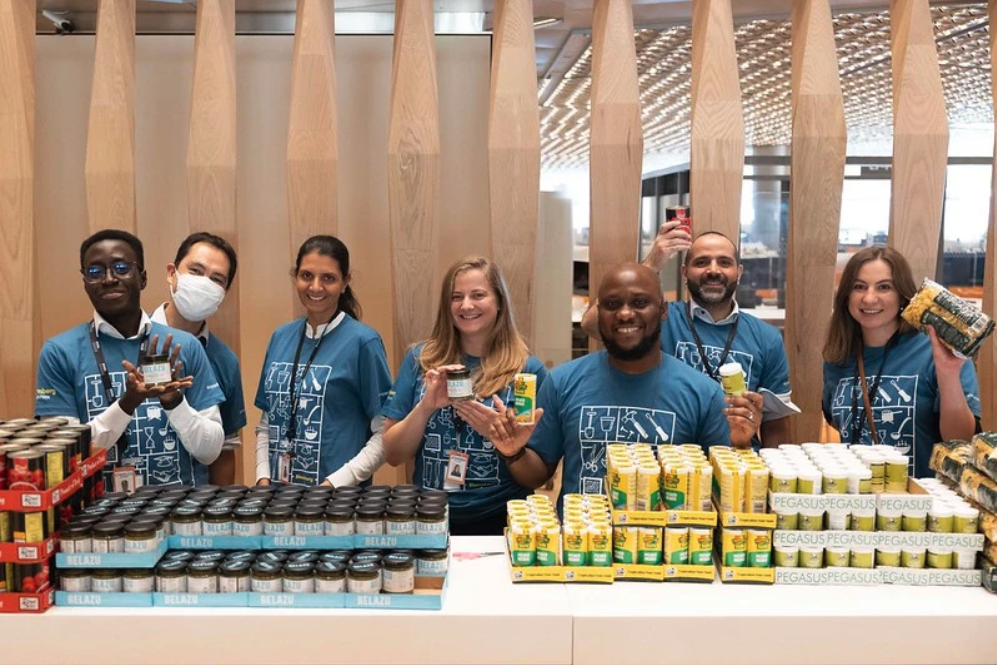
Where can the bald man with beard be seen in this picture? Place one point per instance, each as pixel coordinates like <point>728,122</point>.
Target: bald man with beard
<point>630,392</point>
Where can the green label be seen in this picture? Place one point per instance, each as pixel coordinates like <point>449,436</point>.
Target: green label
<point>759,559</point>
<point>649,557</point>
<point>575,558</point>
<point>702,558</point>
<point>600,559</point>
<point>523,558</point>
<point>680,556</point>
<point>735,559</point>
<point>623,555</point>
<point>674,499</point>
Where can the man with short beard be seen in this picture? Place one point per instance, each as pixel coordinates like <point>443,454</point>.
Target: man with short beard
<point>709,331</point>
<point>630,392</point>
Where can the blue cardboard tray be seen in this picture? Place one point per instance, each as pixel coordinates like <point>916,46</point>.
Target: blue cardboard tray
<point>90,599</point>
<point>147,560</point>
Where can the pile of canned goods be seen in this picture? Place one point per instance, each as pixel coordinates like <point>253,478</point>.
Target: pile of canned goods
<point>272,571</point>
<point>679,479</point>
<point>237,510</point>
<point>746,548</point>
<point>538,539</point>
<point>676,545</point>
<point>37,455</point>
<point>742,478</point>
<point>834,468</point>
<point>805,556</point>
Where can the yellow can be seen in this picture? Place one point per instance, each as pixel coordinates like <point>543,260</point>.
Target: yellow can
<point>700,546</point>
<point>734,548</point>
<point>576,544</point>
<point>523,543</point>
<point>600,543</point>
<point>896,475</point>
<point>756,489</point>
<point>704,474</point>
<point>649,546</point>
<point>759,550</point>
<point>648,496</point>
<point>524,394</point>
<point>623,487</point>
<point>676,545</point>
<point>625,544</point>
<point>548,539</point>
<point>675,486</point>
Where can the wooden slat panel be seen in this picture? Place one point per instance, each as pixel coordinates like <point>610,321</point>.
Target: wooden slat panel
<point>818,171</point>
<point>211,144</point>
<point>987,365</point>
<point>413,173</point>
<point>311,136</point>
<point>617,147</point>
<point>717,143</point>
<point>514,156</point>
<point>17,164</point>
<point>920,138</point>
<point>110,161</point>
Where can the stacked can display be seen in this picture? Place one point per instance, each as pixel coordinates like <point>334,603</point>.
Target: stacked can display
<point>45,476</point>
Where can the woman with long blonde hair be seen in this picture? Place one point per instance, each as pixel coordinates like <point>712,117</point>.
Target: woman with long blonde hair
<point>475,329</point>
<point>885,382</point>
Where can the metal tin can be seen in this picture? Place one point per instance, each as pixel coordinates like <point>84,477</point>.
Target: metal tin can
<point>734,547</point>
<point>676,546</point>
<point>524,390</point>
<point>625,542</point>
<point>700,546</point>
<point>759,551</point>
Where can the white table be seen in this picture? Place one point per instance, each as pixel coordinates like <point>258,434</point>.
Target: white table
<point>716,623</point>
<point>485,619</point>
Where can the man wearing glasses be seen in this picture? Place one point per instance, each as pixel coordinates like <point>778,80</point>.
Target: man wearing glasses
<point>157,432</point>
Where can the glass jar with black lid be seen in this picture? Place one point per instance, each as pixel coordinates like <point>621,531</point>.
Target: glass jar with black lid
<point>400,520</point>
<point>202,577</point>
<point>309,520</point>
<point>186,521</point>
<point>298,577</point>
<point>247,521</point>
<point>75,538</point>
<point>217,521</point>
<point>370,519</point>
<point>234,577</point>
<point>141,537</point>
<point>398,573</point>
<point>431,519</point>
<point>330,577</point>
<point>108,538</point>
<point>278,521</point>
<point>265,577</point>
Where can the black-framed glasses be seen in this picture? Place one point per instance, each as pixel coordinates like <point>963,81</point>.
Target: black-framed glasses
<point>95,272</point>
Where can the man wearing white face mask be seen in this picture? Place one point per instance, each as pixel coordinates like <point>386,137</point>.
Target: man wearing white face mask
<point>199,277</point>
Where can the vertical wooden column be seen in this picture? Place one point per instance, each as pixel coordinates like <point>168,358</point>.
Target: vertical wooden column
<point>987,364</point>
<point>413,173</point>
<point>211,143</point>
<point>110,157</point>
<point>920,138</point>
<point>617,143</point>
<point>818,172</point>
<point>717,143</point>
<point>17,172</point>
<point>514,156</point>
<point>311,137</point>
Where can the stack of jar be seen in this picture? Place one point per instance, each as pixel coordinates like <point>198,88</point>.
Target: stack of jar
<point>686,478</point>
<point>274,571</point>
<point>742,479</point>
<point>236,510</point>
<point>634,477</point>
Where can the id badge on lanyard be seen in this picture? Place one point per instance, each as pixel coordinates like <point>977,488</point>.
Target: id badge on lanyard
<point>284,460</point>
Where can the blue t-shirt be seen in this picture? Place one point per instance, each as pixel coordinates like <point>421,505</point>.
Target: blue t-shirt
<point>489,484</point>
<point>337,398</point>
<point>587,404</point>
<point>226,368</point>
<point>906,405</point>
<point>69,384</point>
<point>757,346</point>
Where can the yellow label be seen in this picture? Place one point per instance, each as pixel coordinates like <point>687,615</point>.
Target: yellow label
<point>600,545</point>
<point>54,469</point>
<point>5,534</point>
<point>34,529</point>
<point>675,486</point>
<point>524,546</point>
<point>676,545</point>
<point>625,543</point>
<point>524,388</point>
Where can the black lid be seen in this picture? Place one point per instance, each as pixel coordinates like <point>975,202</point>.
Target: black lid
<point>235,567</point>
<point>129,503</point>
<point>404,489</point>
<point>372,489</point>
<point>320,490</point>
<point>434,553</point>
<point>307,555</point>
<point>235,488</point>
<point>172,494</point>
<point>364,567</point>
<point>306,512</point>
<point>187,511</point>
<point>397,560</point>
<point>224,503</point>
<point>367,556</point>
<point>341,513</point>
<point>117,519</point>
<point>289,505</point>
<point>290,489</point>
<point>202,566</point>
<point>334,557</point>
<point>401,510</point>
<point>248,511</point>
<point>331,568</point>
<point>200,495</point>
<point>217,511</point>
<point>270,567</point>
<point>126,510</point>
<point>114,496</point>
<point>348,490</point>
<point>312,503</point>
<point>178,555</point>
<point>342,503</point>
<point>241,555</point>
<point>206,488</point>
<point>143,526</point>
<point>273,557</point>
<point>108,529</point>
<point>431,510</point>
<point>432,494</point>
<point>76,529</point>
<point>155,511</point>
<point>163,503</point>
<point>86,519</point>
<point>172,566</point>
<point>278,512</point>
<point>370,511</point>
<point>210,555</point>
<point>301,569</point>
<point>191,503</point>
<point>253,503</point>
<point>96,510</point>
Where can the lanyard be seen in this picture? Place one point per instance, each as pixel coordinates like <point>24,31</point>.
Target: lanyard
<point>293,419</point>
<point>105,375</point>
<point>858,415</point>
<point>710,371</point>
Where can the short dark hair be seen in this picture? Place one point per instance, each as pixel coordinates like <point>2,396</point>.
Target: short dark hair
<point>114,234</point>
<point>215,241</point>
<point>737,250</point>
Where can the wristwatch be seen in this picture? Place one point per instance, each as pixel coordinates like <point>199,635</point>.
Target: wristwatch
<point>509,459</point>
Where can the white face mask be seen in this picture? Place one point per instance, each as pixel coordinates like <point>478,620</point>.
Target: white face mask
<point>196,297</point>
